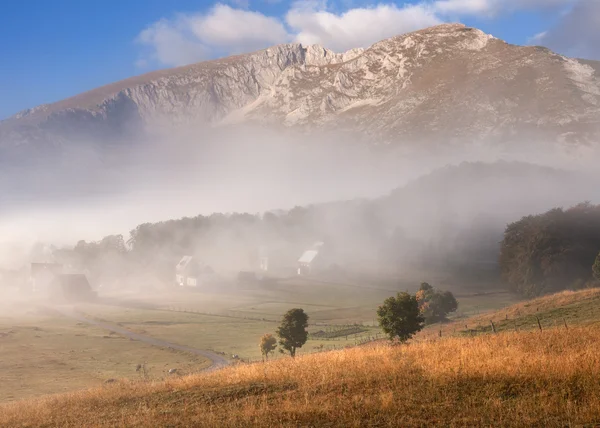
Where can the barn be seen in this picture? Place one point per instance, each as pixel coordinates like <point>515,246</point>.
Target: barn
<point>71,287</point>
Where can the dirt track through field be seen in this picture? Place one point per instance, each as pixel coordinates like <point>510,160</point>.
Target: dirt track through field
<point>217,360</point>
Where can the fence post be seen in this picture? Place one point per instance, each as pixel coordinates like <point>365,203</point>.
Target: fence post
<point>565,321</point>
<point>493,326</point>
<point>539,324</point>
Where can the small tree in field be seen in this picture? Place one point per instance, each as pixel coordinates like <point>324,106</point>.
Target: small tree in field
<point>596,268</point>
<point>400,317</point>
<point>292,331</point>
<point>268,343</point>
<point>435,304</point>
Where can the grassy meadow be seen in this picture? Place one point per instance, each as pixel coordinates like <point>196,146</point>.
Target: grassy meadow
<point>233,320</point>
<point>561,310</point>
<point>510,379</point>
<point>227,334</point>
<point>45,354</point>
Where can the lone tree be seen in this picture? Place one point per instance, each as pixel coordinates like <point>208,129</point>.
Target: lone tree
<point>435,304</point>
<point>400,317</point>
<point>596,268</point>
<point>268,343</point>
<point>292,331</point>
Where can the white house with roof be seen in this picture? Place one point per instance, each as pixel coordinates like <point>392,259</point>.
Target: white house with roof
<point>309,258</point>
<point>190,272</point>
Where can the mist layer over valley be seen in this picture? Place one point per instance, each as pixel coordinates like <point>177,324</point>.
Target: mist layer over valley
<point>93,190</point>
<point>424,193</point>
<point>162,225</point>
<point>289,126</point>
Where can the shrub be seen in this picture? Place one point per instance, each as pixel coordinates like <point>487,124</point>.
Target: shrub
<point>267,345</point>
<point>435,304</point>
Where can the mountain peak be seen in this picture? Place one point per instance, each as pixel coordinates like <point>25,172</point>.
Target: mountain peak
<point>448,82</point>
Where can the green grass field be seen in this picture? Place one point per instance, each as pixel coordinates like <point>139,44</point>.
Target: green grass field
<point>331,302</point>
<point>43,353</point>
<point>223,333</point>
<point>233,320</point>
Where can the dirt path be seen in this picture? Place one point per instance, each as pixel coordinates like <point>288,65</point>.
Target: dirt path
<point>217,360</point>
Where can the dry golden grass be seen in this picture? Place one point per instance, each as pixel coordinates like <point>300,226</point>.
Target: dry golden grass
<point>541,304</point>
<point>549,379</point>
<point>571,307</point>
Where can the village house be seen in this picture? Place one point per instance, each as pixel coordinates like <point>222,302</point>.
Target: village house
<point>309,259</point>
<point>190,272</point>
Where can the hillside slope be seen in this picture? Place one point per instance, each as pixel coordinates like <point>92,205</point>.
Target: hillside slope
<point>564,310</point>
<point>510,379</point>
<point>445,83</point>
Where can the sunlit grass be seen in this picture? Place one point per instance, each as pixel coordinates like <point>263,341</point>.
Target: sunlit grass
<point>549,378</point>
<point>42,354</point>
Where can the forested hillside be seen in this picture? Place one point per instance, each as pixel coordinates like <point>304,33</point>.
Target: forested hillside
<point>453,218</point>
<point>548,252</point>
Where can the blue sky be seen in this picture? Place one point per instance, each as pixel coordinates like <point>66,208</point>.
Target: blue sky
<point>51,50</point>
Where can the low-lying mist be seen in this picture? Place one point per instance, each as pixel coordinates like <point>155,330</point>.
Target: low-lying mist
<point>93,189</point>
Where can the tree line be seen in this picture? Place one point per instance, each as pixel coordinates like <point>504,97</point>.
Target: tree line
<point>553,251</point>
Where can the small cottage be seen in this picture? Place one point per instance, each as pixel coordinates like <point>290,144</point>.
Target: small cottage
<point>190,272</point>
<point>309,259</point>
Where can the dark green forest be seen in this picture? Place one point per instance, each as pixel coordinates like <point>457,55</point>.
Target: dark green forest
<point>553,251</point>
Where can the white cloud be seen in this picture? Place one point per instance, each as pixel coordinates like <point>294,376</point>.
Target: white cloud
<point>170,43</point>
<point>237,30</point>
<point>577,33</point>
<point>491,8</point>
<point>222,31</point>
<point>359,27</point>
<point>225,30</point>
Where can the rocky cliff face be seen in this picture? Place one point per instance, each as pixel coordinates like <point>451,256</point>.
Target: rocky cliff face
<point>447,82</point>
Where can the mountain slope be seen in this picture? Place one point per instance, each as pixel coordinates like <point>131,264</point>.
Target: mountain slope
<point>444,83</point>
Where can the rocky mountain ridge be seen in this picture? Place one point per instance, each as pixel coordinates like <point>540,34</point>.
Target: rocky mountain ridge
<point>445,83</point>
